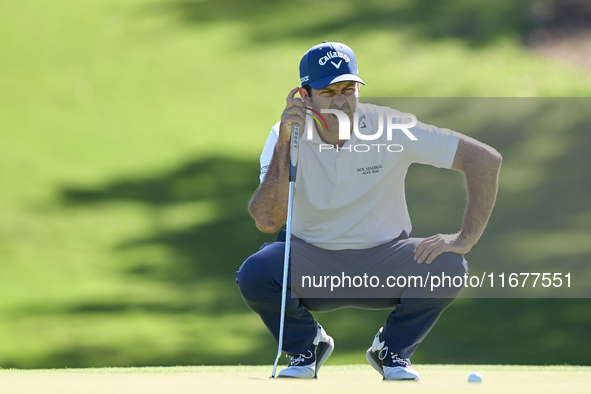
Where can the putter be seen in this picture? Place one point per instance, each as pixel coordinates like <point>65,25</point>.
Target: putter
<point>293,168</point>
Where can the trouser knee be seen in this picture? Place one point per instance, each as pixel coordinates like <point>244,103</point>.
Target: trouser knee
<point>448,275</point>
<point>452,264</point>
<point>261,273</point>
<point>249,278</point>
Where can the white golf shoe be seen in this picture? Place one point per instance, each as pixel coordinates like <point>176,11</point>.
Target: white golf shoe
<point>389,364</point>
<point>307,365</point>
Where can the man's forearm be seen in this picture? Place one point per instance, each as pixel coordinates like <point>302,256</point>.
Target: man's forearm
<point>482,182</point>
<point>268,205</point>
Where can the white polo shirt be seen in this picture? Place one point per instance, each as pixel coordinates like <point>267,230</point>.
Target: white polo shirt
<point>354,198</point>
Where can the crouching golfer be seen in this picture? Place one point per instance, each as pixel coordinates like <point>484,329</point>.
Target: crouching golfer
<point>350,218</point>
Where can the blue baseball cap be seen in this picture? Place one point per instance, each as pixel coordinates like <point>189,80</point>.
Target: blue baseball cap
<point>328,63</point>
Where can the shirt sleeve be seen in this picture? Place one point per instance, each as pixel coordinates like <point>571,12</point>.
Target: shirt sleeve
<point>435,146</point>
<point>268,151</point>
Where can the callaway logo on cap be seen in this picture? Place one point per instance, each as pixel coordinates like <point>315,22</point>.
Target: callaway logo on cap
<point>328,63</point>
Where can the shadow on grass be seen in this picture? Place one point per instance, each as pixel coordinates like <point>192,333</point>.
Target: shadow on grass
<point>476,23</point>
<point>208,252</point>
<point>529,331</point>
<point>274,20</point>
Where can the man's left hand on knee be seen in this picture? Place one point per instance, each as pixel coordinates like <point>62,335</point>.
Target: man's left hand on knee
<point>431,247</point>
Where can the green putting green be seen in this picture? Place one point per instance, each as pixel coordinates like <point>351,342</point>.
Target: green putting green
<point>342,379</point>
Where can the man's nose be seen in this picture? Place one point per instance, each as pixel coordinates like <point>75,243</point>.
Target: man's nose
<point>339,100</point>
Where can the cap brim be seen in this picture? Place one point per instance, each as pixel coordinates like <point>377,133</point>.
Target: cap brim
<point>323,82</point>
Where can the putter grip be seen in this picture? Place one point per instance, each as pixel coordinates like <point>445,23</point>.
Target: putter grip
<point>293,152</point>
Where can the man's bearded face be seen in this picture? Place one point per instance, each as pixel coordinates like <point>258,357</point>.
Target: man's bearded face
<point>342,96</point>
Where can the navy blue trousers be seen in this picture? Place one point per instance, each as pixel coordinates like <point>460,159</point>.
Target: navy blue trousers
<point>260,280</point>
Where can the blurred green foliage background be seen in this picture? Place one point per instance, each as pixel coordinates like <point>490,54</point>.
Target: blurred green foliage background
<point>129,140</point>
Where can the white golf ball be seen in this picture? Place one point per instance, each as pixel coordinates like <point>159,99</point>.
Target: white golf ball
<point>475,377</point>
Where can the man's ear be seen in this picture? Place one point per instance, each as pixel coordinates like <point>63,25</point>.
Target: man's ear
<point>304,95</point>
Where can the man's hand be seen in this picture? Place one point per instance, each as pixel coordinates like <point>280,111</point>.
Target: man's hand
<point>433,246</point>
<point>294,112</point>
